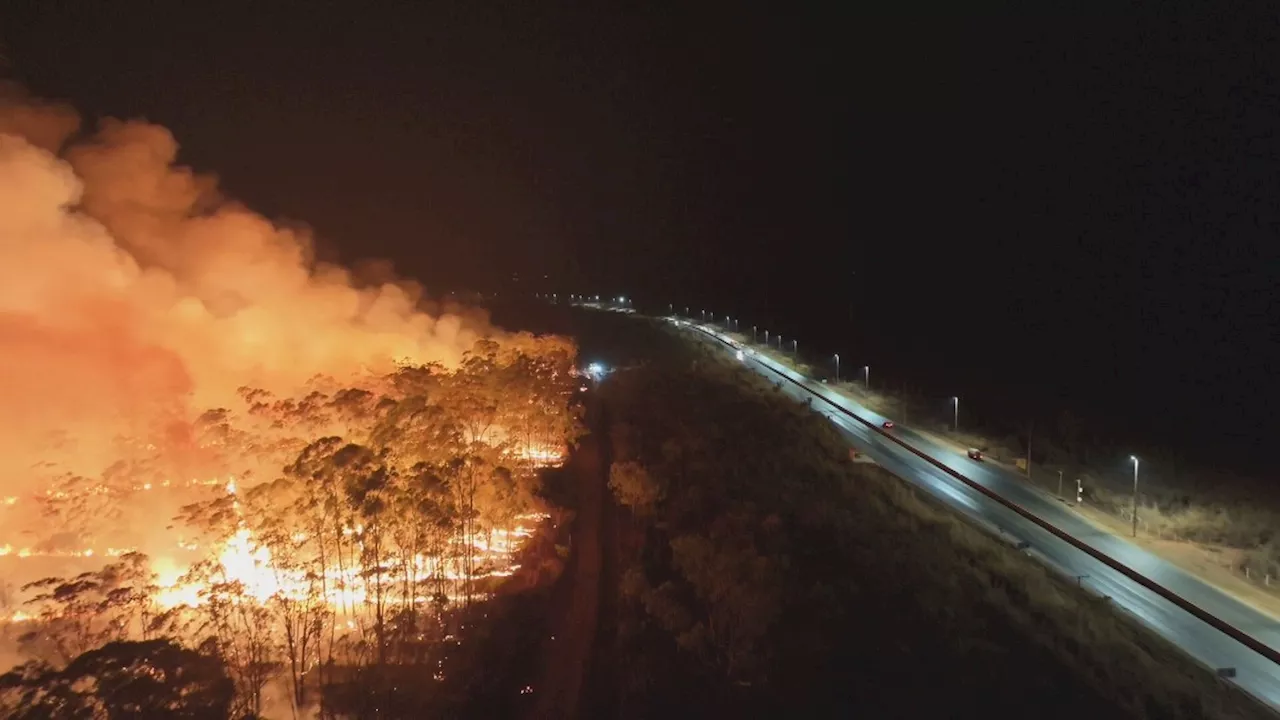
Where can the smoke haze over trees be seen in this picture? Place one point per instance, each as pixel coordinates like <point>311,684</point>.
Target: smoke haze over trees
<point>290,470</point>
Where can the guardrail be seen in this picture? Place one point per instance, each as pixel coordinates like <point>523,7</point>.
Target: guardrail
<point>1200,613</point>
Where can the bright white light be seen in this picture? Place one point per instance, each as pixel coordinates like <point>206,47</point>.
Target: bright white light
<point>739,354</point>
<point>595,368</point>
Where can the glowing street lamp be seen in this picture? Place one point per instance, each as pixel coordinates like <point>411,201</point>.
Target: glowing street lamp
<point>795,347</point>
<point>1134,458</point>
<point>955,413</point>
<point>866,376</point>
<point>766,338</point>
<point>837,356</point>
<point>753,334</point>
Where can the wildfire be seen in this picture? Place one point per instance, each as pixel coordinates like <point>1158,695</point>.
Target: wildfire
<point>542,456</point>
<point>189,391</point>
<point>249,564</point>
<point>244,561</point>
<point>26,552</point>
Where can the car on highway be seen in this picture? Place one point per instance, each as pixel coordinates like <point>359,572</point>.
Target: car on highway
<point>975,454</point>
<point>888,424</point>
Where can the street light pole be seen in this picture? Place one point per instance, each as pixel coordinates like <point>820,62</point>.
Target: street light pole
<point>753,335</point>
<point>955,413</point>
<point>1059,484</point>
<point>866,376</point>
<point>837,368</point>
<point>1134,458</point>
<point>795,348</point>
<point>1030,428</point>
<point>766,338</point>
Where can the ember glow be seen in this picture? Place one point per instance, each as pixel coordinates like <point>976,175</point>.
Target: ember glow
<point>198,417</point>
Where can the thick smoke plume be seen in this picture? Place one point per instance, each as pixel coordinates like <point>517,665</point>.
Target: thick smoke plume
<point>133,294</point>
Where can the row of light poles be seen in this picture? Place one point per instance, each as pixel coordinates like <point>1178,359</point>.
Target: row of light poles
<point>955,400</point>
<point>732,324</point>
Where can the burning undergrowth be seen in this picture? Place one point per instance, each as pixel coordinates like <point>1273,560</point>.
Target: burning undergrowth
<point>208,436</point>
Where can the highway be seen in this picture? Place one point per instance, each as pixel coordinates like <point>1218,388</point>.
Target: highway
<point>1255,673</point>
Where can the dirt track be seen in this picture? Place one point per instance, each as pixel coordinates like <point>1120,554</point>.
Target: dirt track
<point>566,659</point>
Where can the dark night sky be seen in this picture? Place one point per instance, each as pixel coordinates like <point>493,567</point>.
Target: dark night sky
<point>1070,209</point>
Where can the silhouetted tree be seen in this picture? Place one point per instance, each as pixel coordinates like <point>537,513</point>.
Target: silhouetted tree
<point>150,680</point>
<point>77,614</point>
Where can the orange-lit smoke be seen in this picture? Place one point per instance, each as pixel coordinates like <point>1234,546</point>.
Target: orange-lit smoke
<point>132,292</point>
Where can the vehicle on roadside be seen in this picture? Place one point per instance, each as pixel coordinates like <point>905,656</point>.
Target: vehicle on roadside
<point>888,424</point>
<point>975,454</point>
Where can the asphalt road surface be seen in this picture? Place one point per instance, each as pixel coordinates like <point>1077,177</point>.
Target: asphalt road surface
<point>1254,673</point>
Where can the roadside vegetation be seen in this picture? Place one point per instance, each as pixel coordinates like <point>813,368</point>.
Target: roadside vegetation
<point>760,572</point>
<point>1232,516</point>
